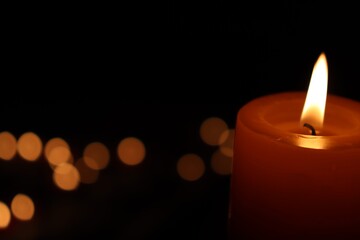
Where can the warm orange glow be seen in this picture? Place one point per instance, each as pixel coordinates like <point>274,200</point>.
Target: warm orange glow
<point>59,155</point>
<point>5,215</point>
<point>211,130</point>
<point>7,146</point>
<point>87,175</point>
<point>311,142</point>
<point>29,146</point>
<point>221,163</point>
<point>22,207</point>
<point>96,156</point>
<point>314,107</point>
<point>131,151</point>
<point>227,147</point>
<point>66,176</point>
<point>57,151</point>
<point>190,167</point>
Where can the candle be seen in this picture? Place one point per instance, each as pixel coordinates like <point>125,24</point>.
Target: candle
<point>291,181</point>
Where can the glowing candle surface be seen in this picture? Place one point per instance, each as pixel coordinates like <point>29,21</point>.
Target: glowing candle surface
<point>287,183</point>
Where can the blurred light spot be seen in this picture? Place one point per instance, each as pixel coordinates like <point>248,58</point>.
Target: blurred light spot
<point>227,147</point>
<point>7,146</point>
<point>29,146</point>
<point>66,176</point>
<point>96,156</point>
<point>190,167</point>
<point>87,175</point>
<point>220,163</point>
<point>5,215</point>
<point>211,130</point>
<point>60,155</point>
<point>224,136</point>
<point>131,151</point>
<point>22,207</point>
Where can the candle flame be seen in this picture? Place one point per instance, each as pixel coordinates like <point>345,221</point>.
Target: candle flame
<point>314,107</point>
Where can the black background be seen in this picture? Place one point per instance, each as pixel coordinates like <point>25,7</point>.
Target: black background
<point>101,73</point>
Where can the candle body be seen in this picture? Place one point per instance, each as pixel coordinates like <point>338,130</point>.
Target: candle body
<point>286,185</point>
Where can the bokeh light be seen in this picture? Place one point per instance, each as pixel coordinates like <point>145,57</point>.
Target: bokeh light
<point>87,174</point>
<point>29,146</point>
<point>190,167</point>
<point>211,130</point>
<point>227,147</point>
<point>66,177</point>
<point>22,207</point>
<point>96,156</point>
<point>131,151</point>
<point>7,145</point>
<point>59,155</point>
<point>221,163</point>
<point>57,151</point>
<point>5,215</point>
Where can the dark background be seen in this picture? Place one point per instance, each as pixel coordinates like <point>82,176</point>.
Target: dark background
<point>101,73</point>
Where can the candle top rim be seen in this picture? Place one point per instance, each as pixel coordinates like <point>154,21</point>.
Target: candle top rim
<point>255,116</point>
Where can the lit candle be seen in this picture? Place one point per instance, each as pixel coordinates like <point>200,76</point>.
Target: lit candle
<point>291,181</point>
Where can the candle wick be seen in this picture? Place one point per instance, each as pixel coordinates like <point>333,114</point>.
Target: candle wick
<point>313,132</point>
